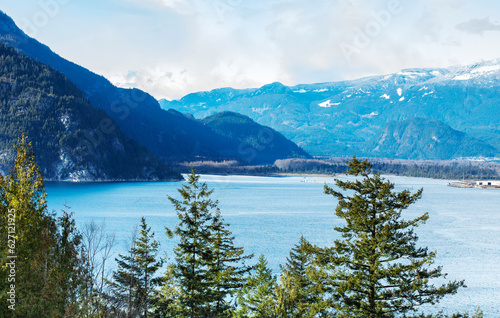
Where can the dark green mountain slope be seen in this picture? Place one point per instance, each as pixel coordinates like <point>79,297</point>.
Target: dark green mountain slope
<point>419,138</point>
<point>255,143</point>
<point>72,140</point>
<point>167,134</point>
<point>135,112</point>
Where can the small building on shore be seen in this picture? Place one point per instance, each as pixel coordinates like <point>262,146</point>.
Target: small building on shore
<point>488,184</point>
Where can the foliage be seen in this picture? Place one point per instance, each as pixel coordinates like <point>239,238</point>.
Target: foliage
<point>376,269</point>
<point>168,304</point>
<point>299,294</point>
<point>227,278</point>
<point>208,267</point>
<point>134,282</point>
<point>257,297</point>
<point>43,249</point>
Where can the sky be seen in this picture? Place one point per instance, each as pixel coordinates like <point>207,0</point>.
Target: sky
<point>170,48</point>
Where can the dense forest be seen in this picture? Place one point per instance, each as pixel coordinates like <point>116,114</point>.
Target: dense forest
<point>422,169</point>
<point>71,138</point>
<point>50,268</point>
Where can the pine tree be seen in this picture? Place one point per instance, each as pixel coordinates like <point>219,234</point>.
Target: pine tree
<point>42,249</point>
<point>193,253</point>
<point>134,285</point>
<point>124,300</point>
<point>227,276</point>
<point>146,253</point>
<point>168,304</point>
<point>257,297</point>
<point>68,274</point>
<point>209,268</point>
<point>377,269</point>
<point>298,295</point>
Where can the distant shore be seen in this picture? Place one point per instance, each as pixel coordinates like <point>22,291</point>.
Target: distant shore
<point>460,170</point>
<point>321,167</point>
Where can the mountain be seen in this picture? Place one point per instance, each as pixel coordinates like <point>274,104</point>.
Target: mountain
<point>72,140</point>
<point>256,143</point>
<point>342,118</point>
<point>419,138</point>
<point>167,134</point>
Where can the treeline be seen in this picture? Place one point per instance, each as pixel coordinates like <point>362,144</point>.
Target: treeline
<point>50,269</point>
<point>433,170</point>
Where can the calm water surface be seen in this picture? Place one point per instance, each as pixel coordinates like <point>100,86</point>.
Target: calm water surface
<point>268,215</point>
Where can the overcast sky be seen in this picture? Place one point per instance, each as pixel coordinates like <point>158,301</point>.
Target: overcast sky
<point>170,48</point>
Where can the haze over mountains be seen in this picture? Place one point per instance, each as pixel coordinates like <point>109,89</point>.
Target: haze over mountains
<point>168,135</point>
<point>375,116</point>
<point>414,114</point>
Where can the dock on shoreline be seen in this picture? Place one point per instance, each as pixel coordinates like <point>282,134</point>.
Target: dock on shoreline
<point>482,184</point>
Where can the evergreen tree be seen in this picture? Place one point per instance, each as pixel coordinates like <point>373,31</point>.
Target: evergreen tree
<point>134,286</point>
<point>376,269</point>
<point>193,253</point>
<point>146,253</point>
<point>298,295</point>
<point>208,267</point>
<point>168,304</point>
<point>227,278</point>
<point>257,297</point>
<point>69,274</point>
<point>124,300</point>
<point>39,259</point>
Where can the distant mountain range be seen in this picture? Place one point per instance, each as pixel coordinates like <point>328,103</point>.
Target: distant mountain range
<point>167,135</point>
<point>413,114</point>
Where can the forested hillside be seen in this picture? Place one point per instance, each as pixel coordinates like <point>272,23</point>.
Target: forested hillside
<point>73,140</point>
<point>167,134</point>
<point>254,143</point>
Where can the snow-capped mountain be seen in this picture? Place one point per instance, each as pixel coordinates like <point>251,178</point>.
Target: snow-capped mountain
<point>344,118</point>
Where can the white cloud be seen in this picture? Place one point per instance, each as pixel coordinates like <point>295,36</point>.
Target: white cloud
<point>173,47</point>
<point>478,26</point>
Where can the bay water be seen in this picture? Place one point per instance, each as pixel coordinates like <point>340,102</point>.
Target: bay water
<point>268,215</point>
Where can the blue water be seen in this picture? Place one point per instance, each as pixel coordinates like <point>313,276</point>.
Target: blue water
<point>269,214</point>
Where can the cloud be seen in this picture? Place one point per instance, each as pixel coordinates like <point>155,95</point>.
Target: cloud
<point>478,26</point>
<point>170,48</point>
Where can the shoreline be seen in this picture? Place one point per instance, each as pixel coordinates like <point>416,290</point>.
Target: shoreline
<point>430,169</point>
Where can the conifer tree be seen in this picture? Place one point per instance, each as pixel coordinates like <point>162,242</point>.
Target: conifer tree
<point>208,267</point>
<point>146,252</point>
<point>168,304</point>
<point>134,285</point>
<point>193,253</point>
<point>377,269</point>
<point>39,254</point>
<point>123,298</point>
<point>257,297</point>
<point>68,274</point>
<point>298,295</point>
<point>227,277</point>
